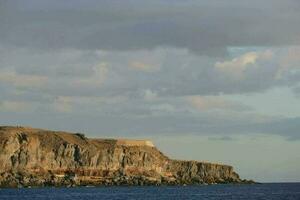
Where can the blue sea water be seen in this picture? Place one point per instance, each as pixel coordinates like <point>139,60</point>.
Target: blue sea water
<point>271,191</point>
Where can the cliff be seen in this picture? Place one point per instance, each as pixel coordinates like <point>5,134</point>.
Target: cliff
<point>35,157</point>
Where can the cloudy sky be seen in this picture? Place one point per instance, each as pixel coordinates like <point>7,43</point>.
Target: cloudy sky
<point>205,80</point>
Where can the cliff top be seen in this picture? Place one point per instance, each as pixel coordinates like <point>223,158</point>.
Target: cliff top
<point>68,136</point>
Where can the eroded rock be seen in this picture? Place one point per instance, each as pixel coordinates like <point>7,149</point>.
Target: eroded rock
<point>35,157</point>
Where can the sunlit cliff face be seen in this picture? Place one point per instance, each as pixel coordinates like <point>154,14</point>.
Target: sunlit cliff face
<point>36,157</point>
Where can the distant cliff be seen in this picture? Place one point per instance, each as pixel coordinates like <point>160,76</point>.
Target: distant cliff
<point>35,157</point>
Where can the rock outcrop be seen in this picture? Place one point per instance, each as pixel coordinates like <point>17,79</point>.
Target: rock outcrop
<point>35,157</point>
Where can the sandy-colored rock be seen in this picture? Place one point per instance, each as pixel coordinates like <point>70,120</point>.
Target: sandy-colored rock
<point>35,157</point>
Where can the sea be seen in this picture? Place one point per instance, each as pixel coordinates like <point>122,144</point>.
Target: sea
<point>266,191</point>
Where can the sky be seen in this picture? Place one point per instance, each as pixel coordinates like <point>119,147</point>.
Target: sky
<point>204,79</point>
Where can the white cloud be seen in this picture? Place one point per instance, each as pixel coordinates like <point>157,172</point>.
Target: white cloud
<point>237,66</point>
<point>206,103</point>
<point>142,66</point>
<point>149,95</point>
<point>289,61</point>
<point>97,78</point>
<point>163,108</point>
<point>21,80</point>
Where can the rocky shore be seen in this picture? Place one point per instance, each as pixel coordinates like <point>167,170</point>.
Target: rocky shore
<point>34,157</point>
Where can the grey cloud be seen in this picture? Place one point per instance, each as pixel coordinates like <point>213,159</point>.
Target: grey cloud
<point>287,127</point>
<point>179,73</point>
<point>204,27</point>
<point>65,43</point>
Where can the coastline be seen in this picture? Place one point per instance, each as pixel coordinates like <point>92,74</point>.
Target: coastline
<point>34,157</point>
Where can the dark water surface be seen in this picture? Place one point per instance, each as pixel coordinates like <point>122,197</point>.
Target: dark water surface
<point>270,191</point>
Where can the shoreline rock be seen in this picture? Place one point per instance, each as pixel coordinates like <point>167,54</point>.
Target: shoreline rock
<point>37,158</point>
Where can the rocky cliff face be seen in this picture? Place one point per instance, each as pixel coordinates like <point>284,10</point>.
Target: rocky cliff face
<point>34,157</point>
